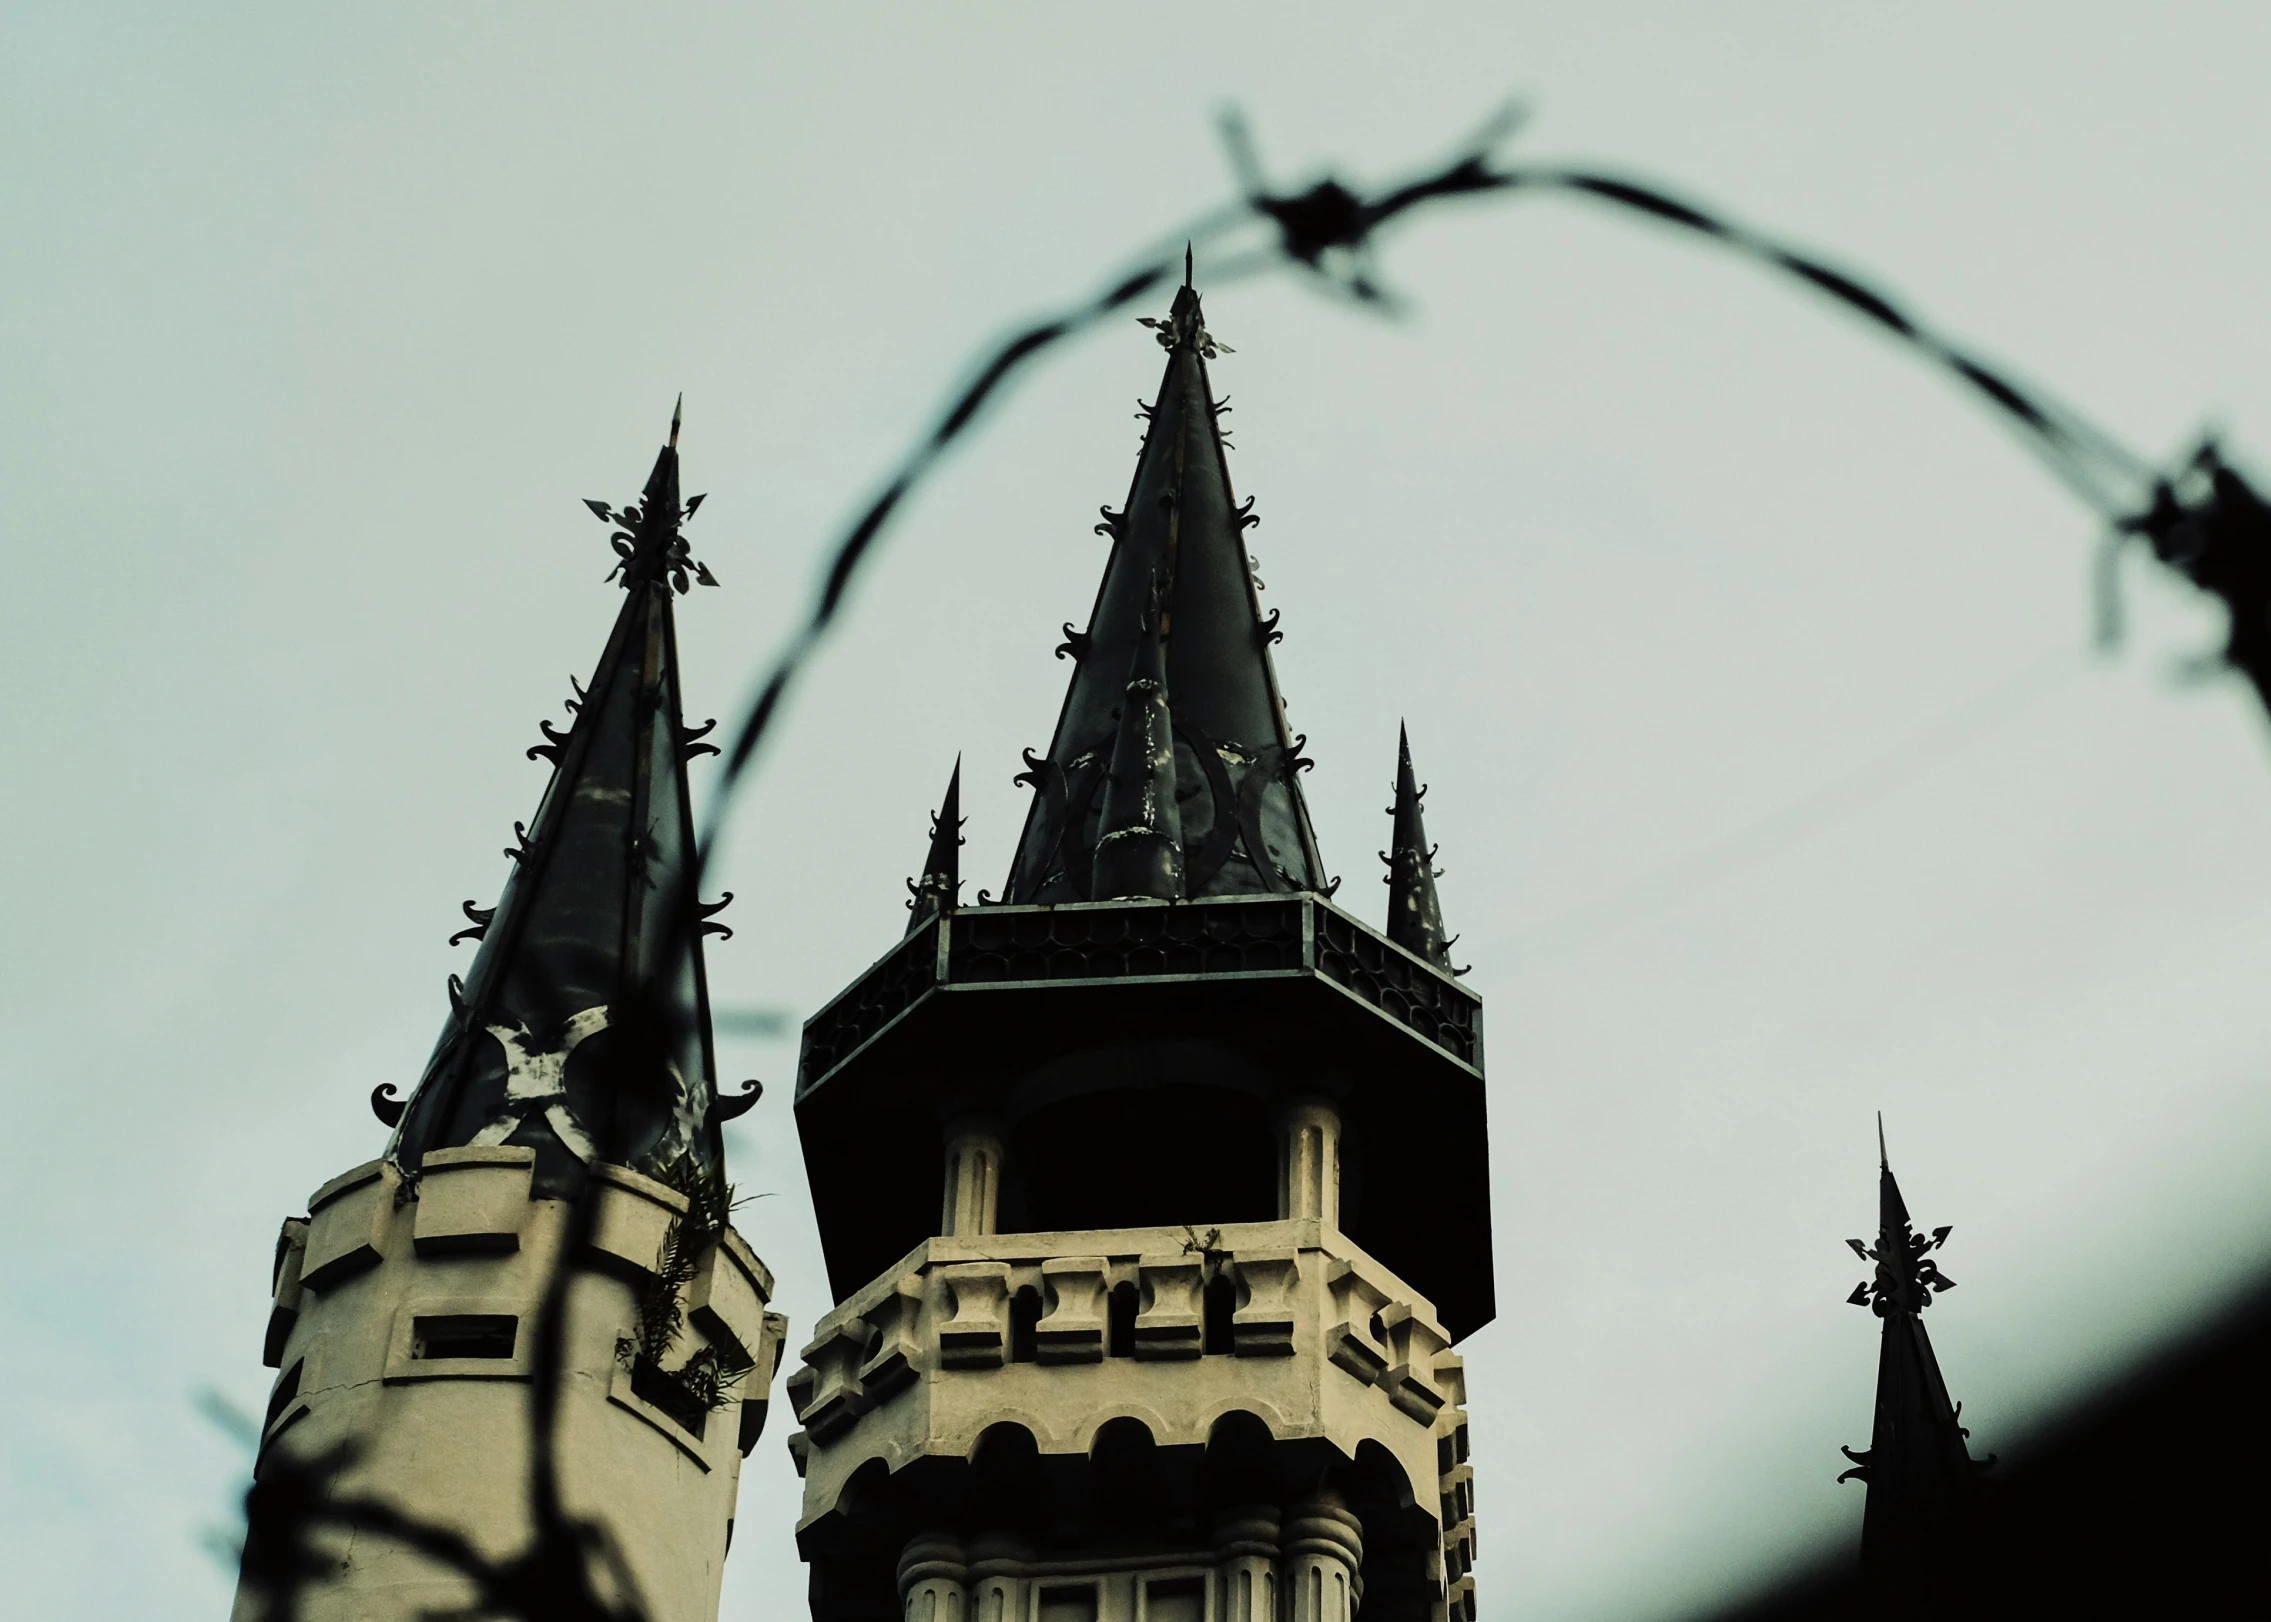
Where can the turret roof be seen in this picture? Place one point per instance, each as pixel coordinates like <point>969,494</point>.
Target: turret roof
<point>1920,1474</point>
<point>1244,828</point>
<point>939,887</point>
<point>543,1043</point>
<point>1415,915</point>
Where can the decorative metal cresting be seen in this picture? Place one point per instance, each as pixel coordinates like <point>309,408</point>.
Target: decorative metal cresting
<point>1225,938</point>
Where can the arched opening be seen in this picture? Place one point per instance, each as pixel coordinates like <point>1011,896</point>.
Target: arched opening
<point>1399,1535</point>
<point>1240,1460</point>
<point>1125,1465</point>
<point>1005,1475</point>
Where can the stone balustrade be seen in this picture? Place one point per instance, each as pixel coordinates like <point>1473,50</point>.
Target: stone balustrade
<point>1064,1332</point>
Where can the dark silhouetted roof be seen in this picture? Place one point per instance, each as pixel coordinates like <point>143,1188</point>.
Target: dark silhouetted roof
<point>1415,916</point>
<point>1237,813</point>
<point>1922,1479</point>
<point>545,1043</point>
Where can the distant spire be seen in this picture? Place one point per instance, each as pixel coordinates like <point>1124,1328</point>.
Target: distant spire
<point>538,1047</point>
<point>1243,828</point>
<point>1921,1476</point>
<point>1139,838</point>
<point>940,887</point>
<point>1415,916</point>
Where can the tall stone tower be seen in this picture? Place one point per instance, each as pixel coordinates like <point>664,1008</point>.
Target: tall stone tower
<point>548,1225</point>
<point>1155,1195</point>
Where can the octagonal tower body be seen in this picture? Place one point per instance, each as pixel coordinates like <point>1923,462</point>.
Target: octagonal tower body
<point>1154,1197</point>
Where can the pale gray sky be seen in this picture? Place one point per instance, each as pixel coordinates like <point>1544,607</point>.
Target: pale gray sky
<point>316,323</point>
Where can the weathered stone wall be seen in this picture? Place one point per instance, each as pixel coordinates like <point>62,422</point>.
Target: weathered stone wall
<point>404,1319</point>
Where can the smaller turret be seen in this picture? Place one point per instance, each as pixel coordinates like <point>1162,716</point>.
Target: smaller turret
<point>1921,1477</point>
<point>550,1219</point>
<point>1415,916</point>
<point>940,887</point>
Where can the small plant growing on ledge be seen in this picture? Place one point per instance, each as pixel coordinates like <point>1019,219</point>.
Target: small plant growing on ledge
<point>704,1383</point>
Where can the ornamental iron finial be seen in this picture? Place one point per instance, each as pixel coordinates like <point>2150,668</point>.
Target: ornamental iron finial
<point>648,542</point>
<point>1185,326</point>
<point>1906,1278</point>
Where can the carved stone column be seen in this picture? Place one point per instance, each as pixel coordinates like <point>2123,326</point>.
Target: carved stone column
<point>1309,1163</point>
<point>997,1587</point>
<point>933,1580</point>
<point>973,1180</point>
<point>1245,1545</point>
<point>1324,1554</point>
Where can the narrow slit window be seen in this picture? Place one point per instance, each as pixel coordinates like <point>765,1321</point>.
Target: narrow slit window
<point>464,1335</point>
<point>1220,1302</point>
<point>1119,1321</point>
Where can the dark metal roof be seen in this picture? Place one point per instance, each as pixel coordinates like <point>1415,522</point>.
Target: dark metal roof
<point>545,1043</point>
<point>1243,828</point>
<point>1921,1477</point>
<point>1415,916</point>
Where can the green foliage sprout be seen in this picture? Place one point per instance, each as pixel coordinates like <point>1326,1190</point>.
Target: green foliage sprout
<point>705,1382</point>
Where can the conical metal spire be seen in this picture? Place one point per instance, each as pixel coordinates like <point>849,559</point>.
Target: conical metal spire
<point>940,887</point>
<point>1139,836</point>
<point>1920,1474</point>
<point>1243,826</point>
<point>1415,916</point>
<point>582,1028</point>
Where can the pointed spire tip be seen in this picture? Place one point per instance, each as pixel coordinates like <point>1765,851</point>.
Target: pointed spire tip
<point>677,415</point>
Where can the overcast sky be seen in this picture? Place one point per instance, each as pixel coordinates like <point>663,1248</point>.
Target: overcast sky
<point>1774,779</point>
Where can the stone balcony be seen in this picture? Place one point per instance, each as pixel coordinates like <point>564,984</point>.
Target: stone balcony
<point>1062,1334</point>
